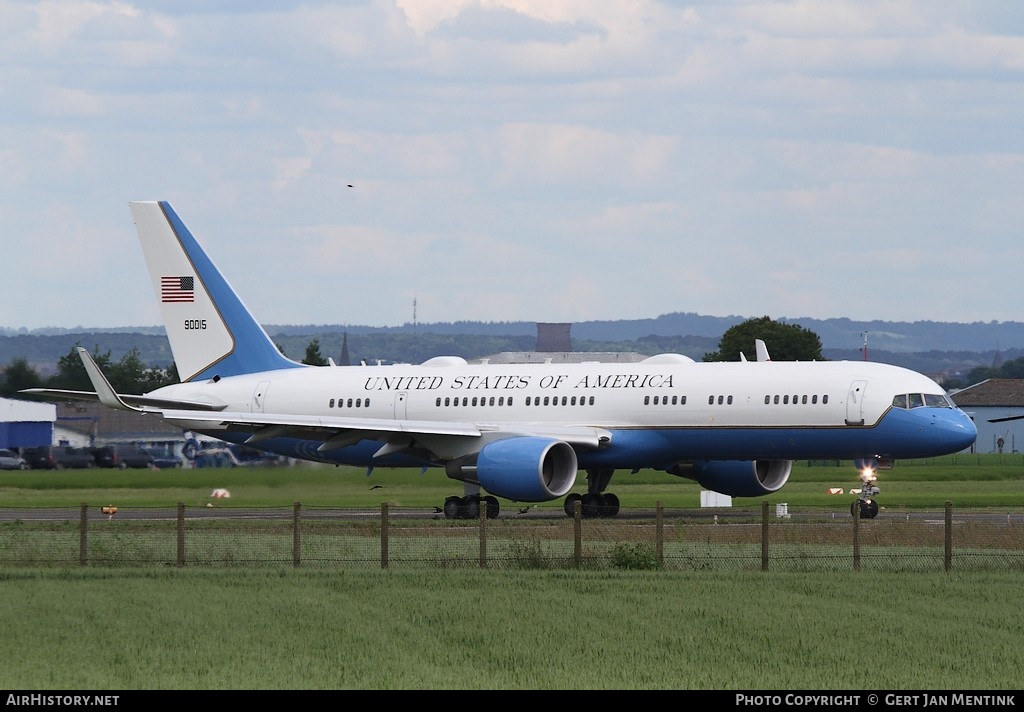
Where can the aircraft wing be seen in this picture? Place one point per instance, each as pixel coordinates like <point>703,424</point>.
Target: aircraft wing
<point>339,431</point>
<point>1005,418</point>
<point>135,401</point>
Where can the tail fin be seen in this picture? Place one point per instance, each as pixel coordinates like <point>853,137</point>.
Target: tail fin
<point>209,328</point>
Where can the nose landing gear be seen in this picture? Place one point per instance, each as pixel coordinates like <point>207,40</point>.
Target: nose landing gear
<point>865,506</point>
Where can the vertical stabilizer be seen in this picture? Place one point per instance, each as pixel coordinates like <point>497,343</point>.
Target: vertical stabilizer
<point>209,328</point>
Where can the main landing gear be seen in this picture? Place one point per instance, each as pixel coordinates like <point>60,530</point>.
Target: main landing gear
<point>596,502</point>
<point>468,507</point>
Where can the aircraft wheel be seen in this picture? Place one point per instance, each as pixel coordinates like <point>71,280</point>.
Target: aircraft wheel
<point>609,505</point>
<point>570,504</point>
<point>492,507</point>
<point>592,504</point>
<point>869,510</point>
<point>451,507</point>
<point>471,507</point>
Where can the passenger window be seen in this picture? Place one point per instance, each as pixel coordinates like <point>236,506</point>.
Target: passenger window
<point>332,403</point>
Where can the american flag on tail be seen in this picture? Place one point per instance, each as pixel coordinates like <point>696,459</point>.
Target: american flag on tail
<point>177,289</point>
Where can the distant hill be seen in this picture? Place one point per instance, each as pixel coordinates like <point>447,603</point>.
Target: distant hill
<point>842,333</point>
<point>930,347</point>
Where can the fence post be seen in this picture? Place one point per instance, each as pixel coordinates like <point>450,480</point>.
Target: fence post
<point>659,534</point>
<point>83,535</point>
<point>181,533</point>
<point>856,534</point>
<point>948,559</point>
<point>577,517</point>
<point>296,534</point>
<point>764,535</point>
<point>483,535</point>
<point>383,535</point>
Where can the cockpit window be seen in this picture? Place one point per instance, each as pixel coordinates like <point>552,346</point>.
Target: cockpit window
<point>916,400</point>
<point>937,400</point>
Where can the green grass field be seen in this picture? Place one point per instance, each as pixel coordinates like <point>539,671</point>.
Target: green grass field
<point>159,628</point>
<point>478,630</point>
<point>966,480</point>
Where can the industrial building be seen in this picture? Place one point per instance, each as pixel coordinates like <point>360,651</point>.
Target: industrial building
<point>994,399</point>
<point>26,423</point>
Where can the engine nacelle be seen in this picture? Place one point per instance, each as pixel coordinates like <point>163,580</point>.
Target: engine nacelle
<point>737,478</point>
<point>526,469</point>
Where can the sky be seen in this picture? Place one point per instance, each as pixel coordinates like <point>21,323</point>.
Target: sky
<point>383,162</point>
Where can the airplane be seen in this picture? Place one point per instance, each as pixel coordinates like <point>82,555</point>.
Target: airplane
<point>520,432</point>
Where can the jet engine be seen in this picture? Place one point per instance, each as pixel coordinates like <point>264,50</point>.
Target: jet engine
<point>526,469</point>
<point>736,478</point>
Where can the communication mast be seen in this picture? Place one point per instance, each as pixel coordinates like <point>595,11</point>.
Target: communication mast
<point>865,335</point>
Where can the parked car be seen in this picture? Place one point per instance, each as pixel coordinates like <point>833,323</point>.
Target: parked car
<point>10,460</point>
<point>122,456</point>
<point>58,457</point>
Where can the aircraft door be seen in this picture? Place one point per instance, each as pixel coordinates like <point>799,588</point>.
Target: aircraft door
<point>400,405</point>
<point>259,396</point>
<point>855,403</point>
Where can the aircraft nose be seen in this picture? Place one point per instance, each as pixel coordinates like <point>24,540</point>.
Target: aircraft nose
<point>958,429</point>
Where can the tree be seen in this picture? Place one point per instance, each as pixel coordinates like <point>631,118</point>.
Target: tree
<point>18,375</point>
<point>71,373</point>
<point>785,342</point>
<point>313,355</point>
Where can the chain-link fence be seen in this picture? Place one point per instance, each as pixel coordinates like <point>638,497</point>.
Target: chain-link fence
<point>769,538</point>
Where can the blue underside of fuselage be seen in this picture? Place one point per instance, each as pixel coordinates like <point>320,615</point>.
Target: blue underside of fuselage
<point>921,432</point>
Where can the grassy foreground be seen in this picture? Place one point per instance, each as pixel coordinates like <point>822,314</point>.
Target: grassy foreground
<point>299,629</point>
<point>472,629</point>
<point>966,480</point>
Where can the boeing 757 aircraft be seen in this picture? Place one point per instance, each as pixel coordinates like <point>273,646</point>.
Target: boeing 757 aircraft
<point>520,432</point>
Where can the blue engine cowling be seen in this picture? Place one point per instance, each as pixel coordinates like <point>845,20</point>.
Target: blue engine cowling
<point>737,478</point>
<point>527,469</point>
